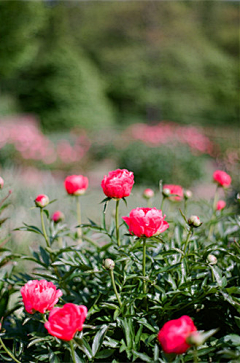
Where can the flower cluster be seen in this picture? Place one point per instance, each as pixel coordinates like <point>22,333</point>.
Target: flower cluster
<point>169,133</point>
<point>24,134</point>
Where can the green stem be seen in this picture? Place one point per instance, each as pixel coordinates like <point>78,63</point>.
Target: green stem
<point>79,220</point>
<point>186,243</point>
<point>195,355</point>
<point>185,207</point>
<point>214,212</point>
<point>43,228</point>
<point>8,352</point>
<point>114,287</point>
<point>149,203</point>
<point>117,223</point>
<point>72,351</point>
<point>144,266</point>
<point>163,199</point>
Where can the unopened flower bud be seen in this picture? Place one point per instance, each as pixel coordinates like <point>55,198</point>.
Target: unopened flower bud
<point>195,338</point>
<point>187,194</point>
<point>109,264</point>
<point>1,183</point>
<point>238,197</point>
<point>194,221</point>
<point>148,193</point>
<point>166,192</point>
<point>221,204</point>
<point>41,201</point>
<point>57,216</point>
<point>212,260</point>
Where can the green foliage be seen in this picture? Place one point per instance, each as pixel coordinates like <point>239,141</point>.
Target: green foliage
<point>170,162</point>
<point>20,24</point>
<point>179,279</point>
<point>64,88</point>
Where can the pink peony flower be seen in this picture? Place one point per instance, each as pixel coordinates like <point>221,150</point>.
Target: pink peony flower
<point>222,178</point>
<point>176,192</point>
<point>42,201</point>
<point>39,296</point>
<point>76,184</point>
<point>64,322</point>
<point>118,183</point>
<point>174,334</point>
<point>57,216</point>
<point>146,222</point>
<point>221,204</point>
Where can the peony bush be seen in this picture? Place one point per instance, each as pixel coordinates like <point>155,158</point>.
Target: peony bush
<point>156,284</point>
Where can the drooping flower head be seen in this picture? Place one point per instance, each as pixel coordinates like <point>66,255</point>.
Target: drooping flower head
<point>222,178</point>
<point>118,183</point>
<point>173,335</point>
<point>146,222</point>
<point>64,322</point>
<point>175,192</point>
<point>76,184</point>
<point>39,296</point>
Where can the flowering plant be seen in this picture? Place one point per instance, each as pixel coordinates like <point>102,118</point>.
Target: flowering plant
<point>109,297</point>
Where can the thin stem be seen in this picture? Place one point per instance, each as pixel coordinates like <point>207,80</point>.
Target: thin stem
<point>163,200</point>
<point>149,203</point>
<point>114,287</point>
<point>79,220</point>
<point>117,223</point>
<point>43,228</point>
<point>72,351</point>
<point>8,352</point>
<point>185,207</point>
<point>195,355</point>
<point>214,212</point>
<point>187,240</point>
<point>144,266</point>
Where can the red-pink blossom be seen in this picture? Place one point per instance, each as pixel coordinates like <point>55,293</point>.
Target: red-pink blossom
<point>42,200</point>
<point>76,184</point>
<point>173,335</point>
<point>146,222</point>
<point>176,191</point>
<point>222,178</point>
<point>221,204</point>
<point>64,322</point>
<point>118,183</point>
<point>57,216</point>
<point>39,296</point>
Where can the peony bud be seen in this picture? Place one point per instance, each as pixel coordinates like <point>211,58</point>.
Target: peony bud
<point>148,193</point>
<point>196,339</point>
<point>41,201</point>
<point>194,221</point>
<point>238,197</point>
<point>221,204</point>
<point>166,192</point>
<point>57,217</point>
<point>1,183</point>
<point>212,260</point>
<point>187,194</point>
<point>109,264</point>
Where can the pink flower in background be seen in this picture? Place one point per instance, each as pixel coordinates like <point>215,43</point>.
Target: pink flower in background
<point>64,322</point>
<point>148,193</point>
<point>118,183</point>
<point>42,200</point>
<point>222,178</point>
<point>173,335</point>
<point>57,216</point>
<point>39,296</point>
<point>76,184</point>
<point>1,183</point>
<point>221,204</point>
<point>146,222</point>
<point>176,192</point>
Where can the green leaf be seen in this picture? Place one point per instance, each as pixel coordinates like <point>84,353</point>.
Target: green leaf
<point>105,353</point>
<point>143,357</point>
<point>84,346</point>
<point>98,339</point>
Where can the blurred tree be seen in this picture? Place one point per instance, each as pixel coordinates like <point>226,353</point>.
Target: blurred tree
<point>62,86</point>
<point>20,24</point>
